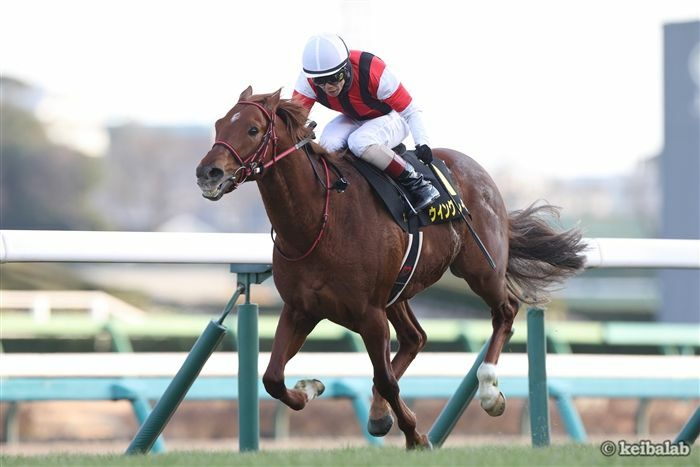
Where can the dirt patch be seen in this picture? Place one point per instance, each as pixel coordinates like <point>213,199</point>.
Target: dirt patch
<point>109,426</point>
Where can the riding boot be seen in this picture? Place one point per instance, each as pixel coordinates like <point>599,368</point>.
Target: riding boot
<point>421,190</point>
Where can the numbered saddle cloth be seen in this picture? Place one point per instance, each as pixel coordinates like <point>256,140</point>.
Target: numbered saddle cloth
<point>395,198</point>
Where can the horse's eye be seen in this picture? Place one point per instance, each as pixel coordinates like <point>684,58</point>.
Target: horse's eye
<point>253,131</point>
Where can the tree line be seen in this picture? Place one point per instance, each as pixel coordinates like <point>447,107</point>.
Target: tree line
<point>43,185</point>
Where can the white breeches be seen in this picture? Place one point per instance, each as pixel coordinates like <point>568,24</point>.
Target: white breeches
<point>341,132</point>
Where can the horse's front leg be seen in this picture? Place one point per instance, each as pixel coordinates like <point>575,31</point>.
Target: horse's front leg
<point>492,399</point>
<point>412,339</point>
<point>292,330</point>
<point>374,330</point>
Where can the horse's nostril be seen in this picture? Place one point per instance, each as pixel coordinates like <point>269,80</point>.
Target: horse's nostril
<point>215,174</point>
<point>209,173</point>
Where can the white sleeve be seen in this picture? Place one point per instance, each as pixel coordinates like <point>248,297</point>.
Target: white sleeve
<point>388,84</point>
<point>414,117</point>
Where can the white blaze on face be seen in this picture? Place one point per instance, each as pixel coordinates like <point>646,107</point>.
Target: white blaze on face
<point>235,117</point>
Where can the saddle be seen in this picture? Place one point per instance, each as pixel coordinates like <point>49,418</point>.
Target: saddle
<point>396,200</point>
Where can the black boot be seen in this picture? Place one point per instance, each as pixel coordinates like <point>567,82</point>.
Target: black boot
<point>422,191</point>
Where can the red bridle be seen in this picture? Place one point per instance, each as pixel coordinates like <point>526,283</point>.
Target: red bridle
<point>253,165</point>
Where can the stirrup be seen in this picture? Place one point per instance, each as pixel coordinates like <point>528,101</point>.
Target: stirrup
<point>428,201</point>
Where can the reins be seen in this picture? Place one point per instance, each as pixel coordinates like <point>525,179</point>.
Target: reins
<point>252,165</point>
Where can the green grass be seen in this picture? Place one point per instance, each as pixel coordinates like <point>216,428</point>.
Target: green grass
<point>560,455</point>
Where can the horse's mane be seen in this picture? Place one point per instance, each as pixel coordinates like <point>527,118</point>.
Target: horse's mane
<point>293,114</point>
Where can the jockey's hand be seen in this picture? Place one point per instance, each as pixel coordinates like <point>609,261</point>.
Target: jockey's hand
<point>424,154</point>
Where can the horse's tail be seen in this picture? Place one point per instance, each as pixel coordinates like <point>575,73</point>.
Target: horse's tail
<point>539,255</point>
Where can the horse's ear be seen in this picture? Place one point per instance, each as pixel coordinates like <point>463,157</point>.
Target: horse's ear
<point>273,100</point>
<point>245,95</point>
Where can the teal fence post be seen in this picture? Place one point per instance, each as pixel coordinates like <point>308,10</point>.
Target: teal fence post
<point>177,389</point>
<point>11,424</point>
<point>248,351</point>
<point>142,410</point>
<point>537,377</point>
<point>120,341</point>
<point>569,415</point>
<point>689,433</point>
<point>459,401</point>
<point>248,400</point>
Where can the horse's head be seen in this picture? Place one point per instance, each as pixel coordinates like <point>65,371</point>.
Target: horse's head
<point>245,138</point>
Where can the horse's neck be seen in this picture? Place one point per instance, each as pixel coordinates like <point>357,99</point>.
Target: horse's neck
<point>294,199</point>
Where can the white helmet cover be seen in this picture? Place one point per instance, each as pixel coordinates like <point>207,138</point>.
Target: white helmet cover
<point>324,54</point>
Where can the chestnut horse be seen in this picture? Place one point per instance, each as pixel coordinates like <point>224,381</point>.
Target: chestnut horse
<point>337,255</point>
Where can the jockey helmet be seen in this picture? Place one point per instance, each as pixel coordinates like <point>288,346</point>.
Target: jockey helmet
<point>324,55</point>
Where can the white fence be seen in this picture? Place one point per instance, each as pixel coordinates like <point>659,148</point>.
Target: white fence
<point>100,305</point>
<point>246,248</point>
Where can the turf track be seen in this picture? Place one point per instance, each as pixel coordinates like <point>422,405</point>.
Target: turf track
<point>560,455</point>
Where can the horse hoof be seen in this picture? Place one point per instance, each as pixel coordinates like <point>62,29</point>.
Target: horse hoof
<point>423,444</point>
<point>428,446</point>
<point>498,407</point>
<point>311,387</point>
<point>380,426</point>
<point>320,387</point>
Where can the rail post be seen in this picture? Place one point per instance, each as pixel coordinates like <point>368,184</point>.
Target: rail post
<point>538,398</point>
<point>691,430</point>
<point>177,389</point>
<point>248,341</point>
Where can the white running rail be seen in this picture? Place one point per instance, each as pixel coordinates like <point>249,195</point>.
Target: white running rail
<point>248,248</point>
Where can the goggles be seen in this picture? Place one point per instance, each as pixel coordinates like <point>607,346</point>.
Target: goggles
<point>330,79</point>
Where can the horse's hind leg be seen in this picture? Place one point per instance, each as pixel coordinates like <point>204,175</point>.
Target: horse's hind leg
<point>504,307</point>
<point>412,339</point>
<point>491,286</point>
<point>492,400</point>
<point>374,330</point>
<point>290,335</point>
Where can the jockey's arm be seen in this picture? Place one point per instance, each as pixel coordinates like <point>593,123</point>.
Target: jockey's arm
<point>303,93</point>
<point>414,117</point>
<point>305,101</point>
<point>391,91</point>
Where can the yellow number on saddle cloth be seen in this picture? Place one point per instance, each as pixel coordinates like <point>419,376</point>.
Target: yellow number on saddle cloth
<point>445,211</point>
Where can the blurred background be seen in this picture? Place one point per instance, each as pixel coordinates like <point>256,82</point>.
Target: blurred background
<point>106,108</point>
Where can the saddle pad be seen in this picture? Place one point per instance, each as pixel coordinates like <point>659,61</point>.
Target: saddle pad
<point>394,196</point>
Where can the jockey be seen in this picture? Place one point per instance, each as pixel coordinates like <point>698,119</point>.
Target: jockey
<point>377,112</point>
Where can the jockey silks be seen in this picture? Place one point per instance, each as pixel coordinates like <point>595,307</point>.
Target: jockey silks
<point>373,91</point>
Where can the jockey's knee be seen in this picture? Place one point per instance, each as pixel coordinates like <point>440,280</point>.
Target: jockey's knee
<point>359,143</point>
<point>333,144</point>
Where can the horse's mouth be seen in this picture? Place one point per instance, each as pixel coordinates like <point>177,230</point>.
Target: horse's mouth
<point>215,193</point>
